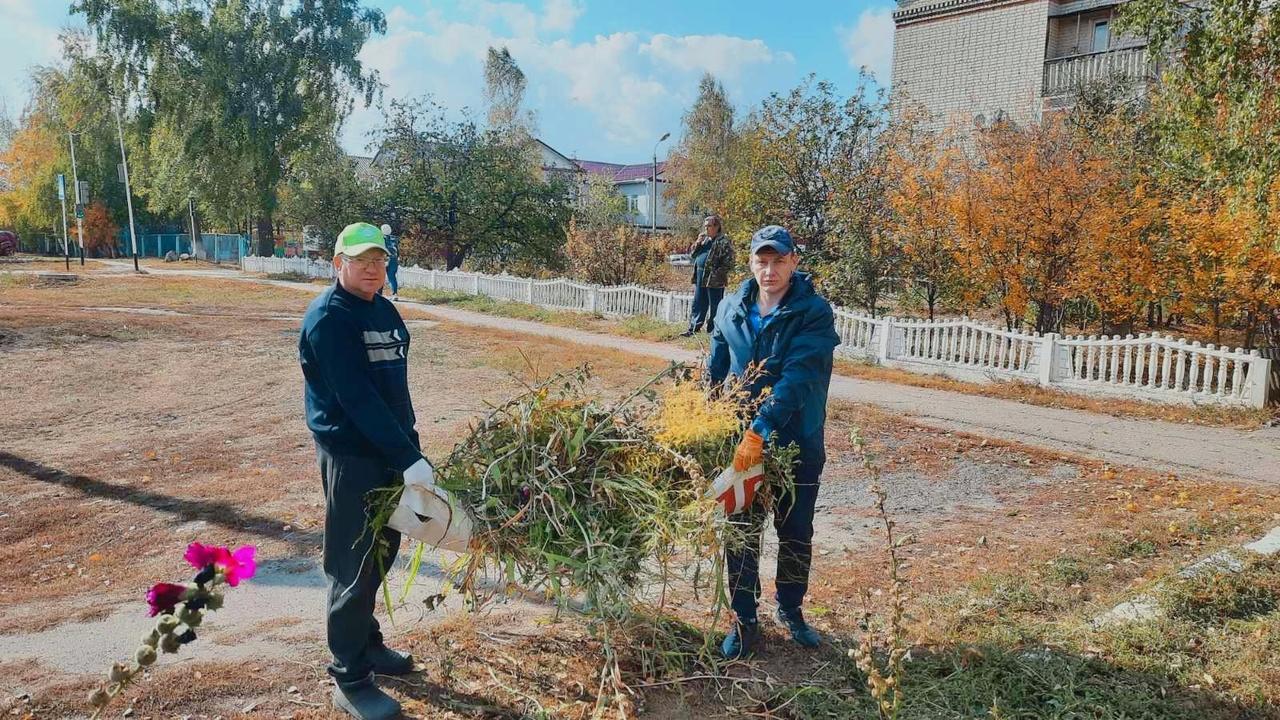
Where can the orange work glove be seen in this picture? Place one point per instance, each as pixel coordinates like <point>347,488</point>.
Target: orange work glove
<point>750,451</point>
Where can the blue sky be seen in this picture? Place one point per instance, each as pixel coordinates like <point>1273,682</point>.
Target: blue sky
<point>606,79</point>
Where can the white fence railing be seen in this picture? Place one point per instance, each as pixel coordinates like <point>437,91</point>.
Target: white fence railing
<point>1066,75</point>
<point>1153,367</point>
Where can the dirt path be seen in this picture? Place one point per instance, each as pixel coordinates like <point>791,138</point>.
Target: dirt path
<point>1252,456</point>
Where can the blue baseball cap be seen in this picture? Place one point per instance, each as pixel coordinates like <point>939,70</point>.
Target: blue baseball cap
<point>775,237</point>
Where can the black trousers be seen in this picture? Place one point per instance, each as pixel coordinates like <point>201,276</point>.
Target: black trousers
<point>705,302</point>
<point>793,519</point>
<point>349,566</point>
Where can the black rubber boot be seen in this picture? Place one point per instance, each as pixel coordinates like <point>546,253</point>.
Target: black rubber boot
<point>366,702</point>
<point>389,662</point>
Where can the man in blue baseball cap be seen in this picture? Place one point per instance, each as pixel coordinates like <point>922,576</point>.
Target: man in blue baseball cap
<point>777,324</point>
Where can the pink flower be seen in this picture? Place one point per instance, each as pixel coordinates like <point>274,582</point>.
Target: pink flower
<point>237,566</point>
<point>201,556</point>
<point>163,596</point>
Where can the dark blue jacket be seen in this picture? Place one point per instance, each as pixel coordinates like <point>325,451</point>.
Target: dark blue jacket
<point>354,355</point>
<point>795,349</point>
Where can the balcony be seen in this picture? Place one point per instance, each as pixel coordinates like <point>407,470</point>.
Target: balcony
<point>1063,76</point>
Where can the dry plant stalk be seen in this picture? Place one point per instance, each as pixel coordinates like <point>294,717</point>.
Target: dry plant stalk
<point>883,680</point>
<point>600,506</point>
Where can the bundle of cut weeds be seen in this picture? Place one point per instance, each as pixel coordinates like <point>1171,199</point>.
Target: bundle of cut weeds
<point>598,505</point>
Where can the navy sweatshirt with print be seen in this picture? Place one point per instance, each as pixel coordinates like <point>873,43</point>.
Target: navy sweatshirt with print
<point>354,356</point>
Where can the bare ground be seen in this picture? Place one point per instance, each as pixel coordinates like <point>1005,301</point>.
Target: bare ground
<point>128,435</point>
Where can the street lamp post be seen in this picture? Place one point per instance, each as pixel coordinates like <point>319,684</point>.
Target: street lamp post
<point>653,209</point>
<point>62,199</point>
<point>75,178</point>
<point>128,195</point>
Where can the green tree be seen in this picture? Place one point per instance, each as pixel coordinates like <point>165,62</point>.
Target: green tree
<point>700,167</point>
<point>322,193</point>
<point>504,86</point>
<point>460,192</point>
<point>227,91</point>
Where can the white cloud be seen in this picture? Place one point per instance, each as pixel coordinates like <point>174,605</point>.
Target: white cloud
<point>38,39</point>
<point>724,56</point>
<point>559,16</point>
<point>618,91</point>
<point>869,43</point>
<point>519,19</point>
<point>27,39</point>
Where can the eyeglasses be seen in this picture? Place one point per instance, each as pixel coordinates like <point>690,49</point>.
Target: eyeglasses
<point>373,262</point>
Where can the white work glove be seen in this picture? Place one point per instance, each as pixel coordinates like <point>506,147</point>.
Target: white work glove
<point>734,490</point>
<point>429,513</point>
<point>420,473</point>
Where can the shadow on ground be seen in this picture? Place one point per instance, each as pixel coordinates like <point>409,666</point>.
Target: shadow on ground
<point>219,513</point>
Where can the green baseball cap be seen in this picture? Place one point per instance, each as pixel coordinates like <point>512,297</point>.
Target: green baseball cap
<point>358,238</point>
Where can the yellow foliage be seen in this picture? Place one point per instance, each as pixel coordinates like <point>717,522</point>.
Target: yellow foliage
<point>688,417</point>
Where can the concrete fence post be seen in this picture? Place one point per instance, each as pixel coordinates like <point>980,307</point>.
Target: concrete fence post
<point>669,307</point>
<point>1257,384</point>
<point>593,299</point>
<point>1047,362</point>
<point>475,284</point>
<point>884,349</point>
<point>528,291</point>
<point>431,279</point>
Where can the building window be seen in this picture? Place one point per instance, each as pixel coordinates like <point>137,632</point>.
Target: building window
<point>1101,35</point>
<point>633,203</point>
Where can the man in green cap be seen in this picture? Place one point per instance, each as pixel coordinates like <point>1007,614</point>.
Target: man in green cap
<point>354,351</point>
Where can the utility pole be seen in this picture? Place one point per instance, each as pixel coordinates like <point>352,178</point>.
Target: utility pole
<point>80,201</point>
<point>62,199</point>
<point>653,209</point>
<point>128,195</point>
<point>191,213</point>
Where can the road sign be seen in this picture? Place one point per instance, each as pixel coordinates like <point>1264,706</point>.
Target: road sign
<point>82,193</point>
<point>120,172</point>
<point>62,186</point>
<point>80,210</point>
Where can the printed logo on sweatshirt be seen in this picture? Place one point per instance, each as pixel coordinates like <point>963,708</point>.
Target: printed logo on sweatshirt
<point>386,346</point>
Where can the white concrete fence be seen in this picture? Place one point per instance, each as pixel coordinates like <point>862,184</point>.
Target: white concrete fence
<point>1148,367</point>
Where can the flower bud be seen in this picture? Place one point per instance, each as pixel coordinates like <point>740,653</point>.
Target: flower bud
<point>145,656</point>
<point>169,643</point>
<point>205,575</point>
<point>191,618</point>
<point>191,591</point>
<point>167,623</point>
<point>152,638</point>
<point>214,601</point>
<point>99,698</point>
<point>119,672</point>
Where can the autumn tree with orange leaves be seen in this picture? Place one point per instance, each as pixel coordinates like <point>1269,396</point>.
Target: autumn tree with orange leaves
<point>922,165</point>
<point>1028,202</point>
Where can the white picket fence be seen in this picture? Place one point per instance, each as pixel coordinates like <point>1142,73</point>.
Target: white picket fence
<point>1149,367</point>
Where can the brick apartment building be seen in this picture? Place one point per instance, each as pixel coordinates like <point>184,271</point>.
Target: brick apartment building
<point>968,61</point>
